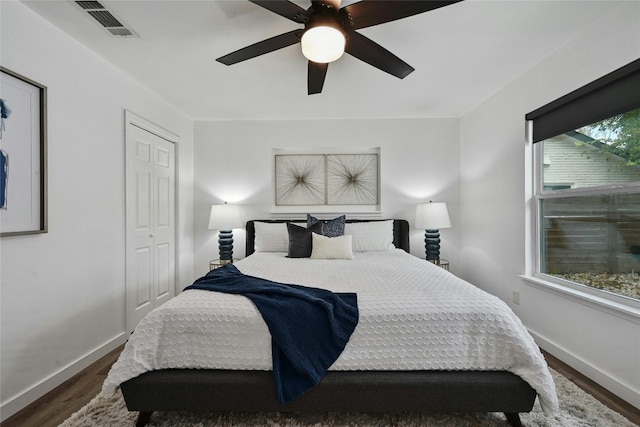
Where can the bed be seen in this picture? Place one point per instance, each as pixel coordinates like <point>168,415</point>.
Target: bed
<point>449,358</point>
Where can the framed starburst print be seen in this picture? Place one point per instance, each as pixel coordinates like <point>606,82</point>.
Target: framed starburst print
<point>300,180</point>
<point>352,179</point>
<point>329,179</point>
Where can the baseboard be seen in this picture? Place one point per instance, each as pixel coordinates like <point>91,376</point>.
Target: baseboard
<point>22,400</point>
<point>616,387</point>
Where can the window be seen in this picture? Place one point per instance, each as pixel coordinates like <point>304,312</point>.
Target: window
<point>589,231</point>
<point>587,186</point>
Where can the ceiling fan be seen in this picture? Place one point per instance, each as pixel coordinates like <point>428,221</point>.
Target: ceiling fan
<point>329,31</point>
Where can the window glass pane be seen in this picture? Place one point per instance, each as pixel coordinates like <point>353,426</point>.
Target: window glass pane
<point>593,240</point>
<point>604,153</point>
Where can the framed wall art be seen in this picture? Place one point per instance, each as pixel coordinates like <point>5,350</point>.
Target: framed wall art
<point>352,179</point>
<point>300,179</point>
<point>23,155</point>
<point>333,179</point>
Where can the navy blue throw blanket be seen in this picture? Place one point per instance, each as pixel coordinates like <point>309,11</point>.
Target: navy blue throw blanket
<point>309,327</point>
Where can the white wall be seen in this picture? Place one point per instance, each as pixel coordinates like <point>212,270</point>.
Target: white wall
<point>494,167</point>
<point>234,163</point>
<point>63,293</point>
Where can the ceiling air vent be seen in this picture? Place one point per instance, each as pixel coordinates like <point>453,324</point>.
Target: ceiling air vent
<point>106,19</point>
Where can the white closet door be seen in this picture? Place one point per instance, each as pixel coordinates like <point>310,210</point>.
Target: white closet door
<point>150,217</point>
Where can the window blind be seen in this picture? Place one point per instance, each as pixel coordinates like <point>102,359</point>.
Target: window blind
<point>610,95</point>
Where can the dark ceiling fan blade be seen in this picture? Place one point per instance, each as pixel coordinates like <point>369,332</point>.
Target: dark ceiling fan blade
<point>285,8</point>
<point>260,48</point>
<point>315,77</point>
<point>373,12</point>
<point>373,54</point>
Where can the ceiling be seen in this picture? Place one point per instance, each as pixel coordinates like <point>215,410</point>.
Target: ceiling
<point>462,53</point>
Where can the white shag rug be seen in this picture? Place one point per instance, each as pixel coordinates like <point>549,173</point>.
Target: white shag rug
<point>577,409</point>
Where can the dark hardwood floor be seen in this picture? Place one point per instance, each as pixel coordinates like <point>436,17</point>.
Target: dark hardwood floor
<point>56,406</point>
<point>594,389</point>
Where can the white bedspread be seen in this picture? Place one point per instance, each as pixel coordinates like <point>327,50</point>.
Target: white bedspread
<point>413,316</point>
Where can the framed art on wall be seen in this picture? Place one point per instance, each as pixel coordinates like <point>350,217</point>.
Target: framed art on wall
<point>300,179</point>
<point>352,179</point>
<point>23,155</point>
<point>327,178</point>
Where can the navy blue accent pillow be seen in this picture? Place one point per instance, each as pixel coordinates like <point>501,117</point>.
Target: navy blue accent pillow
<point>330,227</point>
<point>300,239</point>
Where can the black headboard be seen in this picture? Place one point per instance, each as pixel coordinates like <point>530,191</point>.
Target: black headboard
<point>400,232</point>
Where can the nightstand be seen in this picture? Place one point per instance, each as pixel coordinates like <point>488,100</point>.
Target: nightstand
<point>216,263</point>
<point>442,263</point>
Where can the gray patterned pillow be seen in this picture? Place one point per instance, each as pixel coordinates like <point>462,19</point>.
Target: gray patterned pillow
<point>330,227</point>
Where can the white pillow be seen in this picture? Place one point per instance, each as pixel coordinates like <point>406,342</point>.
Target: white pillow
<point>331,247</point>
<point>371,236</point>
<point>271,237</point>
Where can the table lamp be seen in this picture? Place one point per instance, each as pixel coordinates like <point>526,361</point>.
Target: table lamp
<point>431,217</point>
<point>225,218</point>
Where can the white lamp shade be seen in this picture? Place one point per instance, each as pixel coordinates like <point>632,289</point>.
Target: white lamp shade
<point>224,217</point>
<point>323,44</point>
<point>432,216</point>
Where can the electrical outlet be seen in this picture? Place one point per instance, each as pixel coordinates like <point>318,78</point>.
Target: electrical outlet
<point>515,297</point>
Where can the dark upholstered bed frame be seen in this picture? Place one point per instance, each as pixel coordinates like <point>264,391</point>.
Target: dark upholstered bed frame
<point>341,391</point>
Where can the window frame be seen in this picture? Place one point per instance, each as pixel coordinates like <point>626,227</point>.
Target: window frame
<point>611,301</point>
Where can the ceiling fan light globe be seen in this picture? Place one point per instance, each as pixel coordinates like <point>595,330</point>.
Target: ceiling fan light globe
<point>323,44</point>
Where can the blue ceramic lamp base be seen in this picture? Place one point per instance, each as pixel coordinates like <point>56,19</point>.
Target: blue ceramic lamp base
<point>225,246</point>
<point>432,244</point>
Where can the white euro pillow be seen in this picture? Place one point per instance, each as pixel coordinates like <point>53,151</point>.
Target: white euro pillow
<point>271,237</point>
<point>371,236</point>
